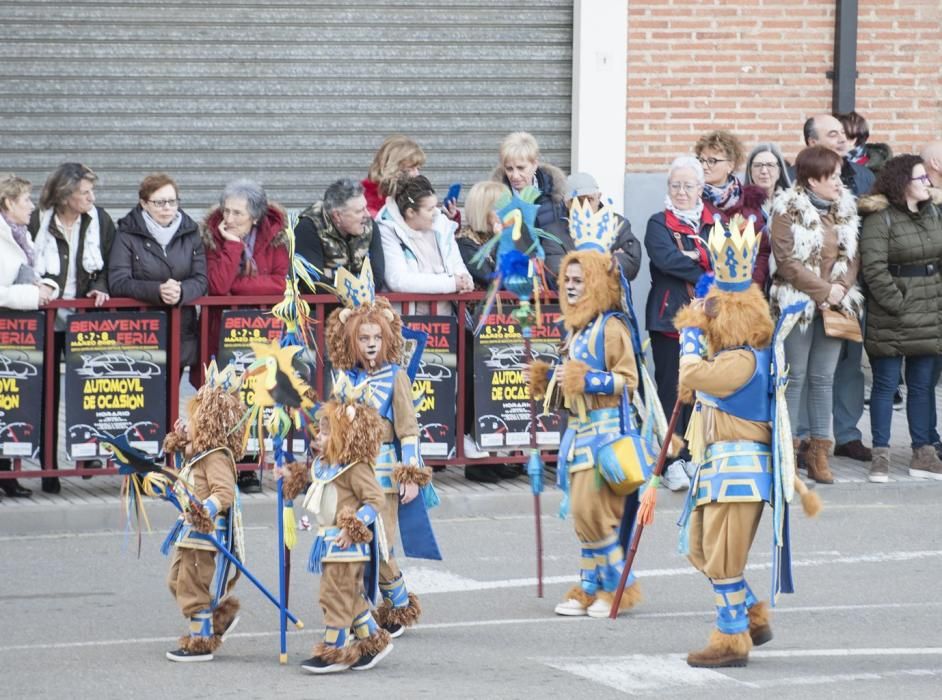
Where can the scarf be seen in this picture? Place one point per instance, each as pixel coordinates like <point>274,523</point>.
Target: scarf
<point>819,203</point>
<point>248,267</point>
<point>162,234</point>
<point>725,196</point>
<point>46,250</point>
<point>21,236</point>
<point>691,217</point>
<point>858,155</point>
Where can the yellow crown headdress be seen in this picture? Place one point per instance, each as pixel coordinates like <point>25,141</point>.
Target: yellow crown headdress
<point>734,254</point>
<point>590,229</point>
<point>229,379</point>
<point>355,291</point>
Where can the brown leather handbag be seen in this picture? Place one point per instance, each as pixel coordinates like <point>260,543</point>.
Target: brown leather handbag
<point>837,324</point>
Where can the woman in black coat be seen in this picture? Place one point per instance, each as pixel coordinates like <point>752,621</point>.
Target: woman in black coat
<point>675,240</point>
<point>158,257</point>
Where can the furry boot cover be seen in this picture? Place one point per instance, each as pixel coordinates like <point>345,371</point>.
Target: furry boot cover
<point>723,650</point>
<point>760,628</point>
<point>373,644</point>
<point>580,596</point>
<point>224,614</point>
<point>630,597</point>
<point>406,616</point>
<point>336,655</point>
<point>358,531</point>
<point>539,379</point>
<point>200,645</point>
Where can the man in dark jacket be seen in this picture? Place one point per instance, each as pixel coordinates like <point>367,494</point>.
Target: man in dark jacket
<point>826,130</point>
<point>626,248</point>
<point>339,232</point>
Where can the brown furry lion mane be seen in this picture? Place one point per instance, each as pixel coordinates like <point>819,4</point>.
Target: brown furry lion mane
<point>350,441</point>
<point>341,336</point>
<point>602,288</point>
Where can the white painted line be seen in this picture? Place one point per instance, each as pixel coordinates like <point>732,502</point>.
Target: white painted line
<point>548,619</point>
<point>426,580</point>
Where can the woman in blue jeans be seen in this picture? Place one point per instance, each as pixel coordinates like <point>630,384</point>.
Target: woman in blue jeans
<point>901,251</point>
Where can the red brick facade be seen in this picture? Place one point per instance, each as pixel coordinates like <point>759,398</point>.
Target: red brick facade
<point>757,67</point>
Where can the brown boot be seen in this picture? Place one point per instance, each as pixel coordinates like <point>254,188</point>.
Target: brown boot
<point>759,628</point>
<point>724,650</point>
<point>818,467</point>
<point>801,448</point>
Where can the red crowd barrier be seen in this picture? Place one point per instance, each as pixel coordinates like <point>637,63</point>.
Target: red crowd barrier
<point>321,304</point>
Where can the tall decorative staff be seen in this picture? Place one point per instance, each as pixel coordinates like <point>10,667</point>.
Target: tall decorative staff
<point>520,271</point>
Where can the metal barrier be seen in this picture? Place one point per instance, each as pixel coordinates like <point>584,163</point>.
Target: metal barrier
<point>321,304</point>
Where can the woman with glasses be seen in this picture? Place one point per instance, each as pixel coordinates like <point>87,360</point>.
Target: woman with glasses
<point>814,243</point>
<point>675,240</point>
<point>766,175</point>
<point>158,257</point>
<point>900,251</point>
<point>720,154</point>
<point>72,240</point>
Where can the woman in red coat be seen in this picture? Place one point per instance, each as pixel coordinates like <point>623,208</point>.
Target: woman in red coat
<point>246,255</point>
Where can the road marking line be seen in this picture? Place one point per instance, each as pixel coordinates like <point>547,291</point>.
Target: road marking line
<point>426,580</point>
<point>638,674</point>
<point>549,619</point>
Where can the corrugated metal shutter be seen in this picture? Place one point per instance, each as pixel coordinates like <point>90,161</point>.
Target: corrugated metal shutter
<point>292,94</point>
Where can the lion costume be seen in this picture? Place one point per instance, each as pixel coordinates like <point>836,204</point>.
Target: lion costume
<point>596,381</point>
<point>739,438</point>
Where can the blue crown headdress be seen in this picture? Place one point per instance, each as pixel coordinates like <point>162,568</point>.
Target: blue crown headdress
<point>353,290</point>
<point>734,254</point>
<point>591,229</point>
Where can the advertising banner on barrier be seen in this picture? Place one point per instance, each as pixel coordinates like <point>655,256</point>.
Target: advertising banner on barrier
<point>436,384</point>
<point>21,382</point>
<point>501,394</point>
<point>115,380</point>
<point>241,328</point>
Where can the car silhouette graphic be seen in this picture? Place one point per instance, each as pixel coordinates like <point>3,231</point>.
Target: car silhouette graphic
<point>117,365</point>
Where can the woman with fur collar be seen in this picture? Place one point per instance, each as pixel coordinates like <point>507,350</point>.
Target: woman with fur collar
<point>900,252</point>
<point>520,167</point>
<point>422,255</point>
<point>814,260</point>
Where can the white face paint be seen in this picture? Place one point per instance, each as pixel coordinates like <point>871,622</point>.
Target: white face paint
<point>574,283</point>
<point>370,341</point>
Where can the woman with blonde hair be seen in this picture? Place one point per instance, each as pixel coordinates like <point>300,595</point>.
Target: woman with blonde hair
<point>520,166</point>
<point>482,224</point>
<point>397,156</point>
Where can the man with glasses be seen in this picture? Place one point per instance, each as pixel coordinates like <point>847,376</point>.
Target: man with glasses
<point>826,130</point>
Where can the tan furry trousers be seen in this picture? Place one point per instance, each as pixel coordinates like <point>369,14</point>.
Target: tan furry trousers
<point>721,535</point>
<point>191,575</point>
<point>596,511</point>
<point>341,596</point>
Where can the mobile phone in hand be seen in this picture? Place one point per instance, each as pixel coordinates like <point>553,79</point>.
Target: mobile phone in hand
<point>452,195</point>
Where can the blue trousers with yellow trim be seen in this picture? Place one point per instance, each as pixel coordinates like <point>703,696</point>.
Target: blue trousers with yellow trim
<point>596,513</point>
<point>721,535</point>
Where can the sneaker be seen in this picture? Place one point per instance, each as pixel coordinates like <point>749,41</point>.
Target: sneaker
<point>599,609</point>
<point>854,449</point>
<point>368,661</point>
<point>938,448</point>
<point>181,655</point>
<point>471,449</point>
<point>319,665</point>
<point>395,630</point>
<point>925,463</point>
<point>880,466</point>
<point>571,608</point>
<point>675,477</point>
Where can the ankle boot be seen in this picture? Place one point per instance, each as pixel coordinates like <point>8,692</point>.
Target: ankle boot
<point>12,487</point>
<point>819,468</point>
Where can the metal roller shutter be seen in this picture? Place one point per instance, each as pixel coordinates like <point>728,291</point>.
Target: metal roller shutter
<point>292,94</point>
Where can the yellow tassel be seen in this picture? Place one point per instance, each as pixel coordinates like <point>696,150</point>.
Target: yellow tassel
<point>290,528</point>
<point>695,436</point>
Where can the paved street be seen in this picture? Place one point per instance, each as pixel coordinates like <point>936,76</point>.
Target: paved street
<point>82,616</point>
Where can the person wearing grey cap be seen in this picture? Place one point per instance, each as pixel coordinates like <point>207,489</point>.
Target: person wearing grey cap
<point>627,249</point>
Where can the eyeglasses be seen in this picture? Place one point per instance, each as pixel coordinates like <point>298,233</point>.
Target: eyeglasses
<point>756,165</point>
<point>924,179</point>
<point>710,162</point>
<point>687,187</point>
<point>161,203</point>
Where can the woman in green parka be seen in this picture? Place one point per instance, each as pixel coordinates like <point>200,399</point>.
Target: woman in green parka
<point>901,253</point>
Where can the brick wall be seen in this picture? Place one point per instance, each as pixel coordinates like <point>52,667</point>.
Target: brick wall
<point>757,67</point>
